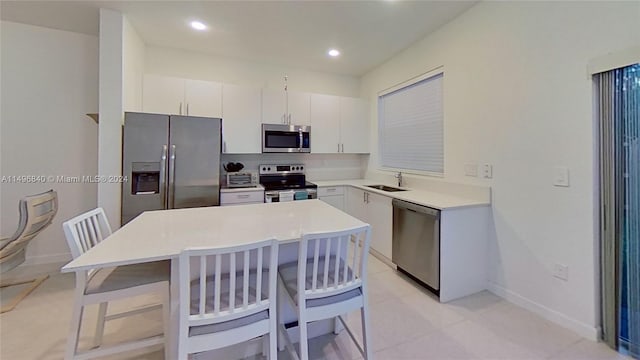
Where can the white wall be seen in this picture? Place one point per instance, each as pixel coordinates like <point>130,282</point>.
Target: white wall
<point>194,65</point>
<point>517,95</point>
<point>49,82</point>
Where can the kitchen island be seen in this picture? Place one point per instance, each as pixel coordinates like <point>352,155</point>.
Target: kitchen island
<point>163,234</point>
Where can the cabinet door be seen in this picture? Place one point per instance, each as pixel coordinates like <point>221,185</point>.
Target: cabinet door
<point>337,201</point>
<point>380,216</point>
<point>273,106</point>
<point>355,205</point>
<point>325,123</point>
<point>203,98</point>
<point>300,108</point>
<point>241,120</point>
<point>354,125</point>
<point>163,95</point>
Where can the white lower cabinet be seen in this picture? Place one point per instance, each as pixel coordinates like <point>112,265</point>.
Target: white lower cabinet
<point>241,196</point>
<point>375,210</point>
<point>332,195</point>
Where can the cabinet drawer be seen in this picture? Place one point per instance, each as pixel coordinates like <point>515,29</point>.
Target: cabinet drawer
<point>330,190</point>
<point>241,197</point>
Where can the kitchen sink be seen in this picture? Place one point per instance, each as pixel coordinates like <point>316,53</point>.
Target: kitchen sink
<point>386,188</point>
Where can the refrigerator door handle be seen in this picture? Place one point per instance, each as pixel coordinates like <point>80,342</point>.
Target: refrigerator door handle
<point>172,177</point>
<point>163,176</point>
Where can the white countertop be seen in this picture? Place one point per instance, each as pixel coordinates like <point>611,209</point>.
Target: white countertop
<point>163,234</point>
<point>432,199</point>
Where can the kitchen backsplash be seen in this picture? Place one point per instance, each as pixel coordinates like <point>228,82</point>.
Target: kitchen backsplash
<point>318,166</point>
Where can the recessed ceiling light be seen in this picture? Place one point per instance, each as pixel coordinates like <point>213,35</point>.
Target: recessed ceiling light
<point>334,52</point>
<point>198,25</point>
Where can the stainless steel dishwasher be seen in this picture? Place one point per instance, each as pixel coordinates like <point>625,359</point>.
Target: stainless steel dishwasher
<point>416,242</point>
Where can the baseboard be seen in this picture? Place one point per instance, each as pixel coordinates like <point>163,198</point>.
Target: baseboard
<point>47,259</point>
<point>584,330</point>
<point>378,255</point>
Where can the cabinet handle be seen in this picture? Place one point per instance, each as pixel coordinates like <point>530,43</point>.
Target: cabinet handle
<point>338,147</point>
<point>342,147</point>
<point>243,196</point>
<point>187,108</point>
<point>180,111</point>
<point>331,189</point>
<point>364,197</point>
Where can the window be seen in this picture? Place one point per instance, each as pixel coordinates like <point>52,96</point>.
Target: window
<point>410,125</point>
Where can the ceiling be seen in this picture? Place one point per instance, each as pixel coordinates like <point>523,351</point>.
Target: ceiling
<point>286,33</point>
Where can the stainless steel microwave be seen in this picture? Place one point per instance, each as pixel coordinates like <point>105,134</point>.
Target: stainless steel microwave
<point>277,138</point>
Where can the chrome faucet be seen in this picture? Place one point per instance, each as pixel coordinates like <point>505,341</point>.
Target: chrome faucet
<point>399,177</point>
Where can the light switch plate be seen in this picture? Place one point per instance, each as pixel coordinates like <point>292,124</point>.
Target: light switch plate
<point>561,176</point>
<point>561,272</point>
<point>487,171</point>
<point>471,169</point>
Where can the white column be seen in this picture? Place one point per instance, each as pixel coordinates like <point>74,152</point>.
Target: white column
<point>111,112</point>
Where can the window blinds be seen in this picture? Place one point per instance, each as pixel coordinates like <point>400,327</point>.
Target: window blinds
<point>410,125</point>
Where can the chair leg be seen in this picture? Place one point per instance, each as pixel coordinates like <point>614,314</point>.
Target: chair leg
<point>102,313</point>
<point>337,325</point>
<point>304,340</point>
<point>166,320</point>
<point>366,333</point>
<point>273,339</point>
<point>265,345</point>
<point>74,332</point>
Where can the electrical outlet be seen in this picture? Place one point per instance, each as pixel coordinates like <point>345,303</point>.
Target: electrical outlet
<point>561,272</point>
<point>471,169</point>
<point>487,171</point>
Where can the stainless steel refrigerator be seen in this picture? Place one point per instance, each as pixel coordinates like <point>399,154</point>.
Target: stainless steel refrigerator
<point>170,162</point>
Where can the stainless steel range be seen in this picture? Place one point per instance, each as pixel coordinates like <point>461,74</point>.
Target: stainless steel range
<point>286,183</point>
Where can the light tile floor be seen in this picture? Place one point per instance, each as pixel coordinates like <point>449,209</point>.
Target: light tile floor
<point>407,323</point>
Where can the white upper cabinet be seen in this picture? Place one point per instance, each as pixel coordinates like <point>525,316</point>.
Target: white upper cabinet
<point>163,95</point>
<point>325,124</point>
<point>354,125</point>
<point>299,108</point>
<point>241,119</point>
<point>276,111</point>
<point>203,98</point>
<point>177,96</point>
<point>339,124</point>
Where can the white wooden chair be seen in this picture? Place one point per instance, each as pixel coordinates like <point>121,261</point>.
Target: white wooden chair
<point>228,296</point>
<point>328,280</point>
<point>36,213</point>
<point>99,286</point>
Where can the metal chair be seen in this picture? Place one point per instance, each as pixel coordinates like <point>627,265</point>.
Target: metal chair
<point>228,296</point>
<point>328,280</point>
<point>36,213</point>
<point>99,286</point>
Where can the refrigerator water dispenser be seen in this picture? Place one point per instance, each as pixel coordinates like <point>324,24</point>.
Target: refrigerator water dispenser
<point>145,178</point>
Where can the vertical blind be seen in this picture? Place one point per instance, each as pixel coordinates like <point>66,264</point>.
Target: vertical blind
<point>618,100</point>
<point>410,127</point>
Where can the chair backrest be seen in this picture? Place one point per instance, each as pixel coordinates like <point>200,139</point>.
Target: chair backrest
<point>218,274</point>
<point>334,262</point>
<point>86,231</point>
<point>36,213</point>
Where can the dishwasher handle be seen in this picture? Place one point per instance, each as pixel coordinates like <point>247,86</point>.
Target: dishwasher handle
<point>416,208</point>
